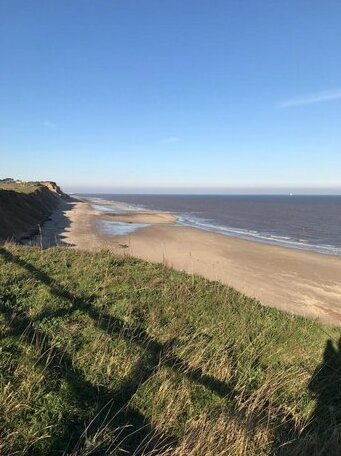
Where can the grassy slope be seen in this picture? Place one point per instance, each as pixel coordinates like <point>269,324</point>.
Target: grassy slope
<point>100,355</point>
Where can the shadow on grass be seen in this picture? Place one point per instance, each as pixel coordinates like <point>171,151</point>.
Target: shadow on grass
<point>112,409</point>
<point>113,325</point>
<point>322,435</point>
<point>110,412</point>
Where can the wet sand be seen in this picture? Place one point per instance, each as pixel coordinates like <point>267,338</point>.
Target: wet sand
<point>296,281</point>
<point>144,217</point>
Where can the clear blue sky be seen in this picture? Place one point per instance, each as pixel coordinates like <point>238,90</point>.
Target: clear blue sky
<point>172,95</point>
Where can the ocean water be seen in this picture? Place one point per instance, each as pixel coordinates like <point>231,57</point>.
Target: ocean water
<point>303,222</point>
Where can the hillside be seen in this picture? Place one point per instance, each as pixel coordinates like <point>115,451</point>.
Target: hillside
<point>111,355</point>
<point>25,205</point>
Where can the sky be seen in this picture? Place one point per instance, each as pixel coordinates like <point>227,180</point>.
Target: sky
<point>172,96</point>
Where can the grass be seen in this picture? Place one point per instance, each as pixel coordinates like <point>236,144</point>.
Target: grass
<point>111,355</point>
<point>19,187</point>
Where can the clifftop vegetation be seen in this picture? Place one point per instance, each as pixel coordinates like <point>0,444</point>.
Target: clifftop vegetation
<point>110,355</point>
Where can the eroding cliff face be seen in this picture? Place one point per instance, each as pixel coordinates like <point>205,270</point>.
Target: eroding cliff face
<point>22,210</point>
<point>53,187</point>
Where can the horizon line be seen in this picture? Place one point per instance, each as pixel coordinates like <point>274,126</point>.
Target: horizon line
<point>291,194</point>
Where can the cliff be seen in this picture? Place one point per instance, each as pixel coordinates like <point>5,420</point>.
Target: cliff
<point>25,205</point>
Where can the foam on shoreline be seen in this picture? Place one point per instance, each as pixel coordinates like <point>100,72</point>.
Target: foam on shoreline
<point>252,235</point>
<point>190,220</point>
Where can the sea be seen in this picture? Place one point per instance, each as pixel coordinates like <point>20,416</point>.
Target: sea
<point>303,222</point>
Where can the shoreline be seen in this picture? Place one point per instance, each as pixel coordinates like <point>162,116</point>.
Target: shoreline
<point>300,241</point>
<point>293,280</point>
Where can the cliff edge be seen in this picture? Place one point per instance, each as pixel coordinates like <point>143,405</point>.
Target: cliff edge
<point>26,205</point>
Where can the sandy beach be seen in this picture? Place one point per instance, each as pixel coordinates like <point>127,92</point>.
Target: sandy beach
<point>296,281</point>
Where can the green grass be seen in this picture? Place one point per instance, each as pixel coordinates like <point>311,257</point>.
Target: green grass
<point>111,355</point>
<point>20,187</point>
